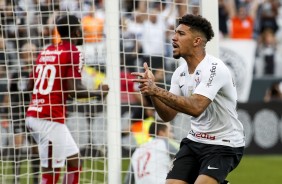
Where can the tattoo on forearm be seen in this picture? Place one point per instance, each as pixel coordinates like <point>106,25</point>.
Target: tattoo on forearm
<point>168,98</point>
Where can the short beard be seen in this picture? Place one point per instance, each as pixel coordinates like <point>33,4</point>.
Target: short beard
<point>176,56</point>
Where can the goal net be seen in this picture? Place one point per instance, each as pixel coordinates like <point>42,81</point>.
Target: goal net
<point>118,38</point>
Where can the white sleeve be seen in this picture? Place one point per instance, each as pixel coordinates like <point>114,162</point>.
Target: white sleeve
<point>213,80</point>
<point>174,85</point>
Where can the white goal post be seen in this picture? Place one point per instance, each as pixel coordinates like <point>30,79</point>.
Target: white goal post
<point>210,11</point>
<point>113,100</point>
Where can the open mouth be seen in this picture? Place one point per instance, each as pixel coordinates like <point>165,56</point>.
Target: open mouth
<point>174,45</point>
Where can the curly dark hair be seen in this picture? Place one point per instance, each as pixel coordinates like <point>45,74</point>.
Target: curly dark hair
<point>198,23</point>
<point>67,24</point>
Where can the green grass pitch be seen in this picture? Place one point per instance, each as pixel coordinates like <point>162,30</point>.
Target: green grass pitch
<point>252,170</point>
<point>258,170</point>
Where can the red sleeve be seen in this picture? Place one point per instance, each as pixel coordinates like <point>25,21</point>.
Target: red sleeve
<point>76,61</point>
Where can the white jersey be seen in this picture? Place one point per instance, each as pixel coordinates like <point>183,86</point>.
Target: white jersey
<point>151,161</point>
<point>218,124</point>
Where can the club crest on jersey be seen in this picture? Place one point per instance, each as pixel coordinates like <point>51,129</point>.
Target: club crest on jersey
<point>182,74</point>
<point>198,77</point>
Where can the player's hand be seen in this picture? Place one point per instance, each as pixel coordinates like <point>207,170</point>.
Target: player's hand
<point>104,89</point>
<point>146,81</point>
<point>148,74</point>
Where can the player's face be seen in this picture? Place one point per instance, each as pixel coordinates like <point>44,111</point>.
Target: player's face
<point>182,41</point>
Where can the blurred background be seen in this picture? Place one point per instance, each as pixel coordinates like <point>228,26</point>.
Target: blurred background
<point>249,41</point>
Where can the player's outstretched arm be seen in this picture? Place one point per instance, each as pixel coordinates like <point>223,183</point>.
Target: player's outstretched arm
<point>77,90</point>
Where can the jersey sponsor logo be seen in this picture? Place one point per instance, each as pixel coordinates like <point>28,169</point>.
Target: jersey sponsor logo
<point>212,75</point>
<point>202,135</point>
<point>38,109</point>
<point>38,101</point>
<point>210,167</point>
<point>47,58</point>
<point>51,52</point>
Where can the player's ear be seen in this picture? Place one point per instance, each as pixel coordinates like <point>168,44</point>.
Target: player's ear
<point>78,32</point>
<point>78,35</point>
<point>197,41</point>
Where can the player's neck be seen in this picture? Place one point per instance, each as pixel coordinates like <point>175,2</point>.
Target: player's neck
<point>193,62</point>
<point>194,58</point>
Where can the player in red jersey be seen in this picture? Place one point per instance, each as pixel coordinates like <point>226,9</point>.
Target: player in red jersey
<point>56,76</point>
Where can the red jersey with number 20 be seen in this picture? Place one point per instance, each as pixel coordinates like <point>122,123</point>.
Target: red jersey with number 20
<point>53,67</point>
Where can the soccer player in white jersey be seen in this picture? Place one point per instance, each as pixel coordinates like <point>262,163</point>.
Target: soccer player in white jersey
<point>151,161</point>
<point>203,88</point>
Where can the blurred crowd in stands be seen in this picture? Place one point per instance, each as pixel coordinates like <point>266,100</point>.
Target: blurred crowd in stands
<point>146,27</point>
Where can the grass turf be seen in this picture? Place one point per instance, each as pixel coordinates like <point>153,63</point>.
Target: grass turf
<point>255,169</point>
<point>252,170</point>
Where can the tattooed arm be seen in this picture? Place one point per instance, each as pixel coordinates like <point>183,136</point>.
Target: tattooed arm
<point>166,103</point>
<point>193,105</point>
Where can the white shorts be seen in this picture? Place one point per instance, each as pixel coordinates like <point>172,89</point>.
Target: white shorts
<point>63,145</point>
